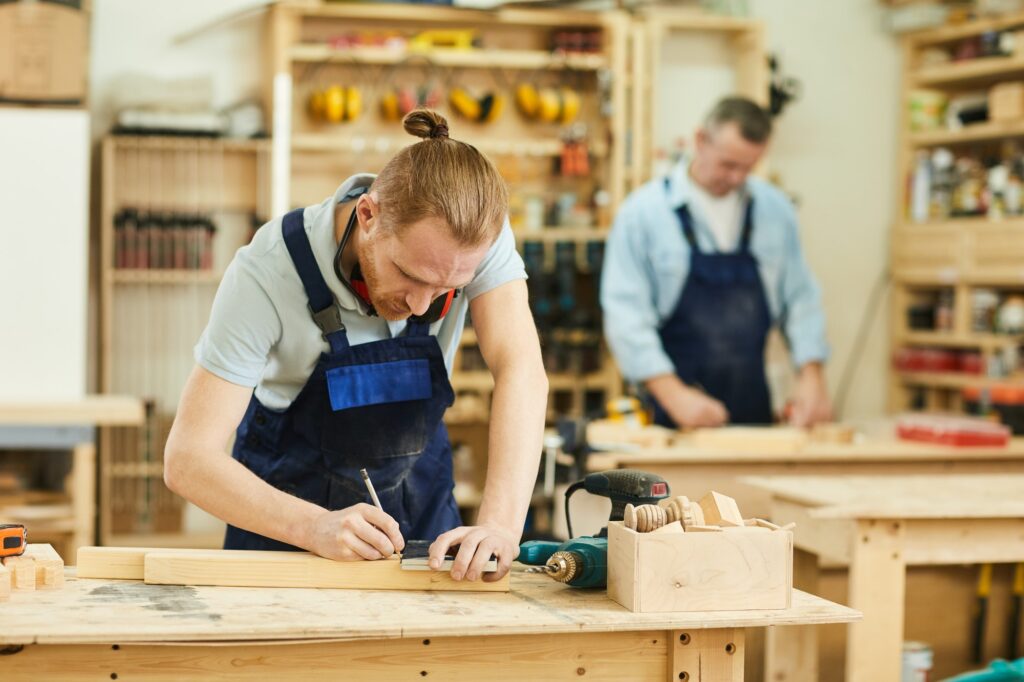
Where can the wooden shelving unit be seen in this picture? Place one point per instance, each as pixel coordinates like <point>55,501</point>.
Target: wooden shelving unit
<point>954,257</point>
<point>152,317</point>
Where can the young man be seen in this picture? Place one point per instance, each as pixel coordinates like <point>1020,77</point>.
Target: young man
<point>700,264</point>
<point>345,317</point>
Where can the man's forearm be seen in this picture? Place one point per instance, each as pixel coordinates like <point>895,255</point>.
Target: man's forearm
<point>515,441</point>
<point>220,485</point>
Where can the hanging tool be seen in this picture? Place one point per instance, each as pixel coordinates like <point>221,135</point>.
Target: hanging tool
<point>1015,612</point>
<point>13,538</point>
<point>981,611</point>
<point>583,561</point>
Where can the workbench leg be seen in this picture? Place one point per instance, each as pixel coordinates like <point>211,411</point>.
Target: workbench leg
<point>874,646</point>
<point>83,498</point>
<point>791,652</point>
<point>705,655</point>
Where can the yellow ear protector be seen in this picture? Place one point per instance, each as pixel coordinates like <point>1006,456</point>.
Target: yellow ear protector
<point>551,105</point>
<point>336,104</point>
<point>485,108</point>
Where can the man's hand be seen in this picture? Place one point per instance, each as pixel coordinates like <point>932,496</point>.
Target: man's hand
<point>810,401</point>
<point>358,532</point>
<point>686,406</point>
<point>476,545</point>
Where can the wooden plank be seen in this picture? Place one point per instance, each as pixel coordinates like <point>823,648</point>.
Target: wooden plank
<point>23,572</point>
<point>605,656</point>
<point>684,658</point>
<point>240,568</point>
<point>959,541</point>
<point>120,563</point>
<point>83,494</point>
<point>706,655</point>
<point>49,565</point>
<point>877,588</point>
<point>776,440</point>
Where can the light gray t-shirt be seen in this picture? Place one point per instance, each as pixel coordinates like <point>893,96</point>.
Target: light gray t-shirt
<point>261,333</point>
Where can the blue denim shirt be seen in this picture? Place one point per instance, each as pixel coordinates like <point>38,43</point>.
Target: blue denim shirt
<point>647,261</point>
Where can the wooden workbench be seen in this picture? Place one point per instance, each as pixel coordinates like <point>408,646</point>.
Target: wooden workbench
<point>65,425</point>
<point>108,629</point>
<point>693,471</point>
<point>879,525</point>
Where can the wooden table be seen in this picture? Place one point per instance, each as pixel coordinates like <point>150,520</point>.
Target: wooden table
<point>879,525</point>
<point>66,425</point>
<point>541,630</point>
<point>693,471</point>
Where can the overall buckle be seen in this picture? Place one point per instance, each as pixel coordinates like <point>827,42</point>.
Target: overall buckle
<point>328,319</point>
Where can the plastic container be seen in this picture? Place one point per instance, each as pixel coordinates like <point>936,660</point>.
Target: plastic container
<point>917,662</point>
<point>952,430</point>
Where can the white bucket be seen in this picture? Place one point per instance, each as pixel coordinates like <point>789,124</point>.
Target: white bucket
<point>917,662</point>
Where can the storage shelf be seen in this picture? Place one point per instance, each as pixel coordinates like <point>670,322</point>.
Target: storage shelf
<point>326,142</point>
<point>563,234</point>
<point>967,223</point>
<point>973,72</point>
<point>129,276</point>
<point>946,339</point>
<point>948,380</point>
<point>190,143</point>
<point>481,58</point>
<point>978,132</point>
<point>948,34</point>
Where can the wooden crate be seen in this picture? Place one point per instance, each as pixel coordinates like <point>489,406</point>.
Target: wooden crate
<point>735,569</point>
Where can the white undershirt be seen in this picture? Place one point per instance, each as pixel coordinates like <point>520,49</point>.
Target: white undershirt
<point>723,215</point>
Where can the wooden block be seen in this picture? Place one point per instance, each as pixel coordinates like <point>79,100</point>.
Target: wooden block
<point>768,440</point>
<point>703,529</point>
<point>49,566</point>
<point>23,570</point>
<point>629,516</point>
<point>240,568</point>
<point>832,433</point>
<point>118,563</point>
<point>668,528</point>
<point>1006,102</point>
<point>5,583</point>
<point>720,510</point>
<point>697,516</point>
<point>742,569</point>
<point>609,433</point>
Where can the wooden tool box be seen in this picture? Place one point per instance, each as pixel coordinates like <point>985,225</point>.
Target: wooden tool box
<point>736,569</point>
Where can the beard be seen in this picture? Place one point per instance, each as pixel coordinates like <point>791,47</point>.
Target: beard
<point>391,308</point>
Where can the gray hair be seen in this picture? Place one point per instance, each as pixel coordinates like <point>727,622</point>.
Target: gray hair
<point>754,122</point>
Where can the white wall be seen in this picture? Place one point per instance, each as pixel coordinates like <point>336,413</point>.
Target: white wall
<point>44,196</point>
<point>834,149</point>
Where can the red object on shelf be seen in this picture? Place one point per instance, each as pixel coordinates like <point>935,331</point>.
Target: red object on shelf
<point>972,363</point>
<point>952,430</point>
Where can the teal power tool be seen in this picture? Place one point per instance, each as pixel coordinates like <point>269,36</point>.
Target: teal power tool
<point>583,561</point>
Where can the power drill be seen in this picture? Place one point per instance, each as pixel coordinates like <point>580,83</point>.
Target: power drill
<point>583,562</point>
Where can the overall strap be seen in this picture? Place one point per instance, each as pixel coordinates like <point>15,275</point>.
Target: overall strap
<point>322,304</point>
<point>748,226</point>
<point>686,221</point>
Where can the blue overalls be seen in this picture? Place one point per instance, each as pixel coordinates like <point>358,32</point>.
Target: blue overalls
<point>376,405</point>
<point>716,335</point>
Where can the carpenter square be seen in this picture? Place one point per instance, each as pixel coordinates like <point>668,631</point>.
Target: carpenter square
<point>417,554</point>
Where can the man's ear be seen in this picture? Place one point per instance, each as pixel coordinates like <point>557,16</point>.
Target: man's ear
<point>368,211</point>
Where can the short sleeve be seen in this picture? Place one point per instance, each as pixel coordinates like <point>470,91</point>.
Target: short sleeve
<point>501,265</point>
<point>243,327</point>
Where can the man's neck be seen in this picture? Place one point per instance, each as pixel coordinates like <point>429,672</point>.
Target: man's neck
<point>694,174</point>
<point>350,256</point>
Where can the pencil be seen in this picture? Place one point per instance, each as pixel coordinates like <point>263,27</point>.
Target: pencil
<point>369,486</point>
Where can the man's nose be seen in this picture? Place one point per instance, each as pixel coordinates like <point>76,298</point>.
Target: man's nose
<point>418,301</point>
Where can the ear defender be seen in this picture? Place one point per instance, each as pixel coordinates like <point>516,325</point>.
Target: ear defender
<point>558,105</point>
<point>486,109</point>
<point>438,308</point>
<point>336,104</point>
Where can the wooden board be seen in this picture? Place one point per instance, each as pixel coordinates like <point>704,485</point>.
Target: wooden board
<point>117,611</point>
<point>119,563</point>
<point>23,572</point>
<point>776,440</point>
<point>240,568</point>
<point>5,583</point>
<point>902,497</point>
